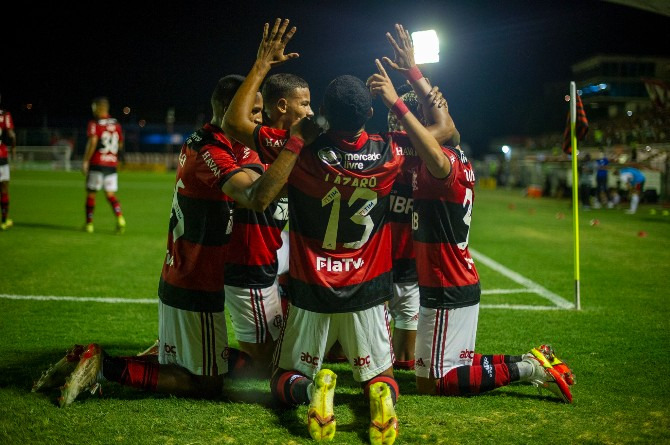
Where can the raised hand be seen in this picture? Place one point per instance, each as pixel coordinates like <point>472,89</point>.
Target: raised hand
<point>436,98</point>
<point>271,50</point>
<point>306,129</point>
<point>403,50</point>
<point>380,84</point>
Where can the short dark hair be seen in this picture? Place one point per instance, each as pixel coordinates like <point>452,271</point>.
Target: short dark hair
<point>225,89</point>
<point>346,104</point>
<point>412,102</point>
<point>281,85</point>
<point>100,100</point>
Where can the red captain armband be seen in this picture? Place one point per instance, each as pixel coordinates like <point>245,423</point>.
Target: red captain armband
<point>413,74</point>
<point>399,108</point>
<point>294,145</point>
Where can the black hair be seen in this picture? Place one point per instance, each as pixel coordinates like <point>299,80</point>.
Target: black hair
<point>281,85</point>
<point>225,89</point>
<point>412,102</point>
<point>101,100</point>
<point>347,103</point>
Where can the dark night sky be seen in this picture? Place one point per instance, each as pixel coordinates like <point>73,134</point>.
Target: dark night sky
<point>496,56</point>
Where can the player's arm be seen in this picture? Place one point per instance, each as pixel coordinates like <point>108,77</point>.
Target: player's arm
<point>257,194</point>
<point>11,134</point>
<point>422,140</point>
<point>436,111</point>
<point>91,143</point>
<point>270,53</point>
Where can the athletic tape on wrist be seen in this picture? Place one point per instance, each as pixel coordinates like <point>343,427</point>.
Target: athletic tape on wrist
<point>413,74</point>
<point>294,145</point>
<point>399,108</point>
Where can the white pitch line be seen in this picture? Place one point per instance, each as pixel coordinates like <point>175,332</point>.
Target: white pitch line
<point>529,284</point>
<point>507,291</point>
<point>520,306</point>
<point>96,299</point>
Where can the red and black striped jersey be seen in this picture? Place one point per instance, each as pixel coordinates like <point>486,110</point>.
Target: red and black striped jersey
<point>339,192</point>
<point>192,277</point>
<point>441,227</point>
<point>269,142</point>
<point>401,205</point>
<point>6,123</point>
<point>256,237</point>
<point>109,134</point>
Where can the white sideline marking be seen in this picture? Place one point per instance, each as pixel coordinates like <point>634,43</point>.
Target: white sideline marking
<point>530,285</point>
<point>96,299</point>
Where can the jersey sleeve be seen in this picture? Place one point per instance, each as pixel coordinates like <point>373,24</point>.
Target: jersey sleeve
<point>92,129</point>
<point>269,142</point>
<point>248,158</point>
<point>217,166</point>
<point>428,178</point>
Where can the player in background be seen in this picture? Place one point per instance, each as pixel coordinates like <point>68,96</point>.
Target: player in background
<point>7,148</point>
<point>194,354</point>
<point>286,98</point>
<point>443,192</point>
<point>340,254</point>
<point>105,141</point>
<point>632,181</point>
<point>251,269</point>
<point>404,305</point>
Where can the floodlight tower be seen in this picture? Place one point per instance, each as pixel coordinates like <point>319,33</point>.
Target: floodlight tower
<point>426,47</point>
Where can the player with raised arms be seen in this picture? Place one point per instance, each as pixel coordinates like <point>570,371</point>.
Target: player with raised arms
<point>193,353</point>
<point>443,195</point>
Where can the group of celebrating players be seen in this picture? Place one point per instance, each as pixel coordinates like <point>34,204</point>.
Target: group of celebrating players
<point>377,229</point>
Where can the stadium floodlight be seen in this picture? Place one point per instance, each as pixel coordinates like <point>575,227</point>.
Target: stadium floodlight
<point>507,151</point>
<point>426,47</point>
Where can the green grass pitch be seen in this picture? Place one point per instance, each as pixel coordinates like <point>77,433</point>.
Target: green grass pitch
<point>616,344</point>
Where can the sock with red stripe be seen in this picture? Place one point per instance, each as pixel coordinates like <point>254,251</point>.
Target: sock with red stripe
<point>4,205</point>
<point>90,208</point>
<point>407,365</point>
<point>239,363</point>
<point>291,388</point>
<point>129,371</point>
<point>390,381</point>
<point>470,380</point>
<point>116,206</point>
<point>496,359</point>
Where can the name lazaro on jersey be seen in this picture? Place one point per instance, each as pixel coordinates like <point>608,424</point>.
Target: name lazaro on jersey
<point>339,193</point>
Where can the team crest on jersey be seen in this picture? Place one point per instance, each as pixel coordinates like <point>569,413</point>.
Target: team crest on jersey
<point>281,211</point>
<point>182,158</point>
<point>330,156</point>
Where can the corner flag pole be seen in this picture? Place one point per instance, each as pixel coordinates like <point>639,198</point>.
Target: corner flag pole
<point>575,188</point>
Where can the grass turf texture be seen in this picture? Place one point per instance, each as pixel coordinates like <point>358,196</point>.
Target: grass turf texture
<point>616,344</point>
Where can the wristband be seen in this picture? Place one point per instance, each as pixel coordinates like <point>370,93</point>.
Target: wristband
<point>413,74</point>
<point>294,145</point>
<point>399,108</point>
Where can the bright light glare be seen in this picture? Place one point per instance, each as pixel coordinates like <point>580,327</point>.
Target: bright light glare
<point>505,149</point>
<point>426,47</point>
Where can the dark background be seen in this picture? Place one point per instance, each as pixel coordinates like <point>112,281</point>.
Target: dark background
<point>498,59</point>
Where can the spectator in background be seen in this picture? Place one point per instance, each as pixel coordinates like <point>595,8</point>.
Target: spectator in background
<point>632,180</point>
<point>602,174</point>
<point>7,147</point>
<point>62,149</point>
<point>587,169</point>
